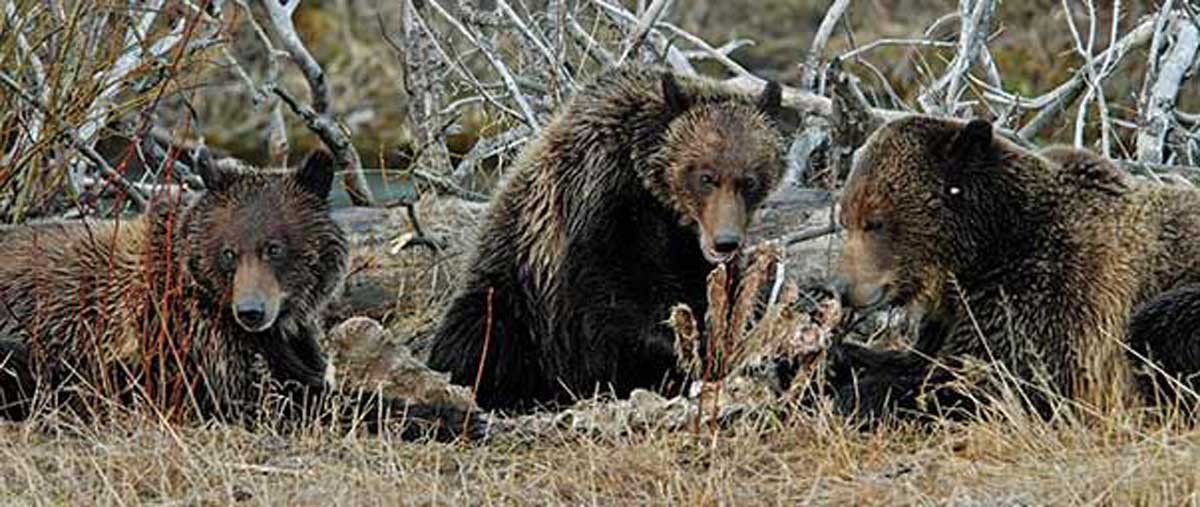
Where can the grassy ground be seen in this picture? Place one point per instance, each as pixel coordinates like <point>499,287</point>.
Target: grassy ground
<point>810,459</point>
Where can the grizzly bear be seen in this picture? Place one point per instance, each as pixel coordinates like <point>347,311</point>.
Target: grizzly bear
<point>619,210</point>
<point>177,307</point>
<point>1030,262</point>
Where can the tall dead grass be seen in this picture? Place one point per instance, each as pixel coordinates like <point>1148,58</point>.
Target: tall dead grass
<point>812,457</point>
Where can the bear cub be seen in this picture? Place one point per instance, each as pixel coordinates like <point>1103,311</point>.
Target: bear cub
<point>1030,262</point>
<point>177,307</point>
<point>619,210</point>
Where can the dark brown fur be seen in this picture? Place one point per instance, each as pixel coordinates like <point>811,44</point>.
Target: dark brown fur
<point>1164,335</point>
<point>1086,170</point>
<point>173,307</point>
<point>1026,261</point>
<point>610,217</point>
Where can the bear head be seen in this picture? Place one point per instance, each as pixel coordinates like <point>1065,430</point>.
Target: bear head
<point>263,247</point>
<point>721,159</point>
<point>929,199</point>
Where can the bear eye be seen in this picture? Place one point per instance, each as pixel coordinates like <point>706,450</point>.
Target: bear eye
<point>707,181</point>
<point>750,185</point>
<point>873,224</point>
<point>274,250</point>
<point>227,258</point>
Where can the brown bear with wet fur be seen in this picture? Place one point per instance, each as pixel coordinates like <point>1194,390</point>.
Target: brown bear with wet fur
<point>1030,261</point>
<point>617,211</point>
<point>173,307</point>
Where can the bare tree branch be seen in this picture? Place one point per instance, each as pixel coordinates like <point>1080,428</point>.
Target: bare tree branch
<point>812,64</point>
<point>871,46</point>
<point>590,45</point>
<point>84,147</point>
<point>1173,69</point>
<point>725,50</point>
<point>647,21</point>
<point>537,42</point>
<point>336,139</point>
<point>1052,103</point>
<point>675,57</point>
<point>497,63</point>
<point>976,17</point>
<point>851,120</point>
<point>425,91</point>
<point>280,14</point>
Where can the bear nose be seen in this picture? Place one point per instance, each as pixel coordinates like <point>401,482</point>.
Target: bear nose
<point>727,243</point>
<point>251,313</point>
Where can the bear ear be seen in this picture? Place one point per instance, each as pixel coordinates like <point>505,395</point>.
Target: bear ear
<point>972,143</point>
<point>315,175</point>
<point>677,101</point>
<point>973,140</point>
<point>215,179</point>
<point>770,102</point>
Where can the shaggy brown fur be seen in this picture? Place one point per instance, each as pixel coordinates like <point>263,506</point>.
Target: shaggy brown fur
<point>1088,171</point>
<point>1165,331</point>
<point>613,215</point>
<point>173,307</point>
<point>1030,262</point>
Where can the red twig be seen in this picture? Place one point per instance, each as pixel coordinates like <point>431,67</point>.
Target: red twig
<point>487,344</point>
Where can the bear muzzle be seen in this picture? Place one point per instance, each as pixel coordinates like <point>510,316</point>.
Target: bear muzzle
<point>255,313</point>
<point>251,314</point>
<point>722,225</point>
<point>257,296</point>
<point>858,294</point>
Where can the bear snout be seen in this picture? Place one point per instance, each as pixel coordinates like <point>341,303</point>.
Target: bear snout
<point>720,247</point>
<point>250,313</point>
<point>257,296</point>
<point>257,312</point>
<point>722,224</point>
<point>727,242</point>
<point>857,294</point>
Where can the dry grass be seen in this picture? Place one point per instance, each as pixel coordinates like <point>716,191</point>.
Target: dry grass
<point>811,458</point>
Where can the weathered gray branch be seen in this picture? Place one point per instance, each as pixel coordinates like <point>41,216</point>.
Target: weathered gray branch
<point>338,142</point>
<point>875,44</point>
<point>675,57</point>
<point>1172,70</point>
<point>812,64</point>
<point>497,63</point>
<point>1054,102</point>
<point>280,13</point>
<point>725,50</point>
<point>590,45</point>
<point>538,43</point>
<point>975,23</point>
<point>647,21</point>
